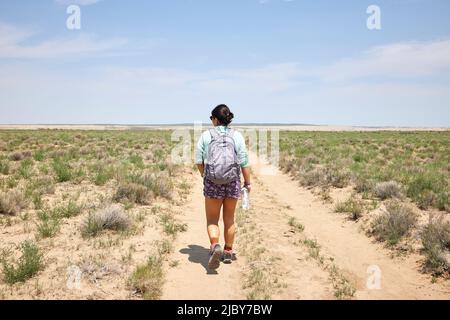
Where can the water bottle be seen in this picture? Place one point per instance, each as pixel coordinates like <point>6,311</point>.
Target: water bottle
<point>245,199</point>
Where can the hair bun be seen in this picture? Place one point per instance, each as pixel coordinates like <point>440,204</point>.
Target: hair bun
<point>223,114</point>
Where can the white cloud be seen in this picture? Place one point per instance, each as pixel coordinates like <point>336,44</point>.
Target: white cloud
<point>400,60</point>
<point>12,45</point>
<point>338,93</point>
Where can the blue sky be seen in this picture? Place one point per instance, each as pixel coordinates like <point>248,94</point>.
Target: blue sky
<point>171,61</point>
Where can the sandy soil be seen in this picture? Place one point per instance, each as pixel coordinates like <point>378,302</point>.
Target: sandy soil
<point>300,276</point>
<point>352,250</point>
<point>290,272</point>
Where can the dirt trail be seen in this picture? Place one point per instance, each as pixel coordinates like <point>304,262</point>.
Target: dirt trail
<point>290,273</point>
<point>353,251</point>
<point>275,198</point>
<point>191,279</point>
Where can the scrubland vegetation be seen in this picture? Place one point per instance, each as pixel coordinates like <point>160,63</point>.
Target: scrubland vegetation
<point>89,199</point>
<point>398,182</point>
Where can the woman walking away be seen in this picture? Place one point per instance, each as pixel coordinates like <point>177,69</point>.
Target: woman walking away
<point>221,156</point>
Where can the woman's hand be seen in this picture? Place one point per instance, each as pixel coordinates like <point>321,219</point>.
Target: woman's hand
<point>246,174</point>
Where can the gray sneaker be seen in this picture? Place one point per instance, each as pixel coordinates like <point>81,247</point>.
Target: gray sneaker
<point>214,257</point>
<point>227,257</point>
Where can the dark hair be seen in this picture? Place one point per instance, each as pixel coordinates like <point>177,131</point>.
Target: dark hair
<point>223,114</point>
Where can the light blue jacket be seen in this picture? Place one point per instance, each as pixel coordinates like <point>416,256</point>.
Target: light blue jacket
<point>205,140</point>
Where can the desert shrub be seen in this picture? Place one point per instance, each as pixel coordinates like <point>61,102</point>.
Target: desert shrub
<point>338,178</point>
<point>288,164</point>
<point>165,247</point>
<point>426,199</point>
<point>12,182</point>
<point>435,238</point>
<point>388,190</point>
<point>359,158</point>
<point>395,223</point>
<point>30,262</point>
<point>4,167</point>
<point>27,154</point>
<point>16,156</point>
<point>37,200</point>
<point>102,176</point>
<point>39,155</point>
<point>170,226</point>
<point>443,201</point>
<point>148,279</point>
<point>424,187</point>
<point>159,183</point>
<point>363,184</point>
<point>351,206</point>
<point>137,160</point>
<point>43,184</point>
<point>69,210</point>
<point>62,170</point>
<point>313,178</point>
<point>109,218</point>
<point>48,224</point>
<point>133,192</point>
<point>12,202</point>
<point>26,168</point>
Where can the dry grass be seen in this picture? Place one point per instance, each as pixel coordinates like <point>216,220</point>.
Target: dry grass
<point>110,218</point>
<point>435,238</point>
<point>351,206</point>
<point>12,202</point>
<point>388,190</point>
<point>148,279</point>
<point>133,192</point>
<point>395,223</point>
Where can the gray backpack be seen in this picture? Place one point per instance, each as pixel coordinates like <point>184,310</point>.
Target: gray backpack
<point>222,165</point>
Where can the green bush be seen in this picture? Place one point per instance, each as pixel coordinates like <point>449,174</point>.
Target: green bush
<point>48,225</point>
<point>352,206</point>
<point>62,170</point>
<point>30,263</point>
<point>4,167</point>
<point>39,155</point>
<point>69,210</point>
<point>148,279</point>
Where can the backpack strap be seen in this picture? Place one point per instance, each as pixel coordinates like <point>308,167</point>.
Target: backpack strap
<point>214,134</point>
<point>231,133</point>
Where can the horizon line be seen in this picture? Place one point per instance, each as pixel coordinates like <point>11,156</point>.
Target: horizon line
<point>235,124</point>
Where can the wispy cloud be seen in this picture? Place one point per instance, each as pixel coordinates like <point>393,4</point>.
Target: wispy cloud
<point>399,60</point>
<point>122,93</point>
<point>12,45</point>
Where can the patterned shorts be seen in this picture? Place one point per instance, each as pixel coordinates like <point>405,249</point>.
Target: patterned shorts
<point>225,191</point>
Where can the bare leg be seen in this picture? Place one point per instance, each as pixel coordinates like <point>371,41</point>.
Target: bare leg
<point>212,208</point>
<point>229,207</point>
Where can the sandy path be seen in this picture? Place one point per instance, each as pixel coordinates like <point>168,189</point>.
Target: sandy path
<point>275,198</point>
<point>267,224</point>
<point>191,279</point>
<point>299,275</point>
<point>353,251</point>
